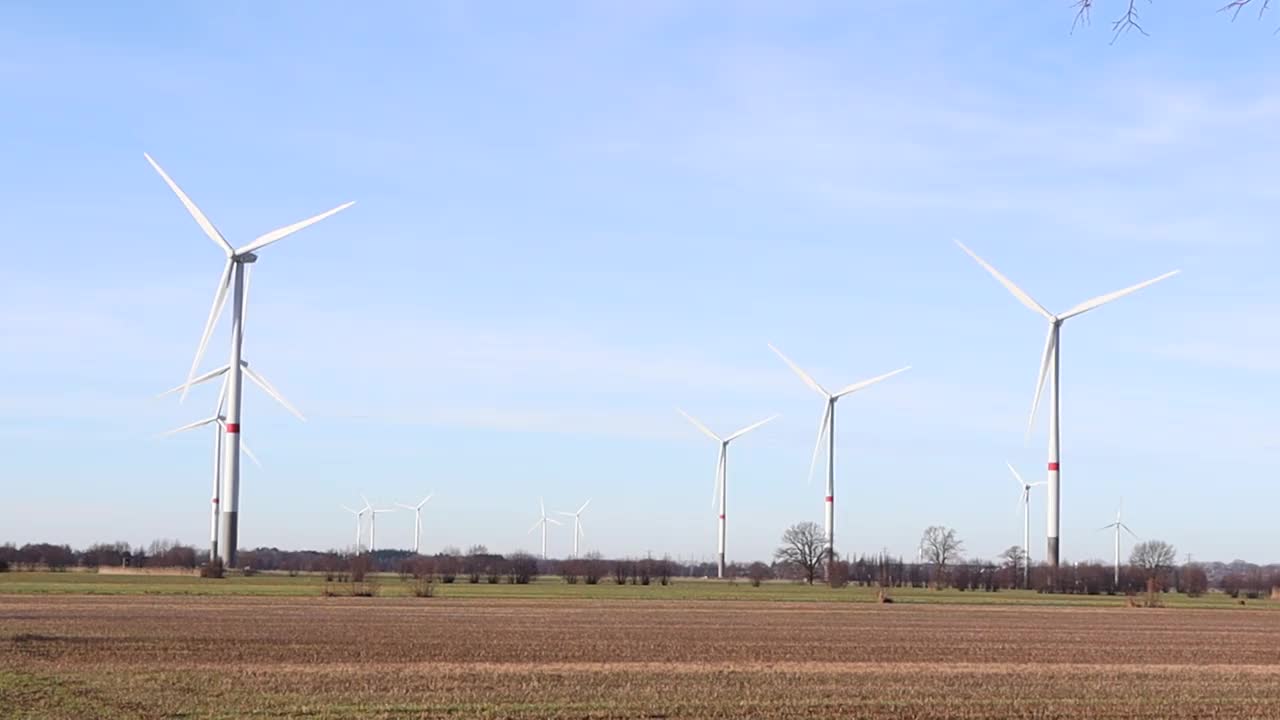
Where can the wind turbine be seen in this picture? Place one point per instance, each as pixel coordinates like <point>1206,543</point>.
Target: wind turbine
<point>1025,502</point>
<point>1118,525</point>
<point>577,525</point>
<point>1049,366</point>
<point>233,280</point>
<point>373,517</point>
<point>542,521</point>
<point>827,428</point>
<point>218,421</point>
<point>722,467</point>
<point>417,519</point>
<point>359,516</point>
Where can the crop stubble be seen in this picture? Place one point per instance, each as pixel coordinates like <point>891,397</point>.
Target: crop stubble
<point>340,657</point>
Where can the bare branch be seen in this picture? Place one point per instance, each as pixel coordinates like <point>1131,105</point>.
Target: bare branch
<point>1082,14</point>
<point>1127,22</point>
<point>1235,6</point>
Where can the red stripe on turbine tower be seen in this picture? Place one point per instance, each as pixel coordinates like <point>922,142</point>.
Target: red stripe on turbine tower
<point>830,498</point>
<point>1053,467</point>
<point>233,427</point>
<point>721,517</point>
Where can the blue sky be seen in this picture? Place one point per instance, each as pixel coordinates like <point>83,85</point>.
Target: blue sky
<point>572,218</point>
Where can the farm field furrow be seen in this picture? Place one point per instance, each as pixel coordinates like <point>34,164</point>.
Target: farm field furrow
<point>108,656</point>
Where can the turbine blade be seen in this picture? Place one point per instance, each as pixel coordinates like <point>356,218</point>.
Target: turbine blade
<point>543,506</point>
<point>749,428</point>
<point>1024,298</point>
<point>344,507</point>
<point>424,500</point>
<point>1134,534</point>
<point>535,526</point>
<point>406,507</point>
<point>584,506</point>
<point>219,299</point>
<point>367,505</point>
<point>196,380</point>
<point>705,430</point>
<point>1016,476</point>
<point>803,375</point>
<point>1050,343</point>
<point>718,486</point>
<point>201,220</point>
<point>868,383</point>
<point>189,426</point>
<point>268,389</point>
<point>554,521</point>
<point>562,512</point>
<point>244,448</point>
<point>274,235</point>
<point>822,432</point>
<point>1088,305</point>
<point>222,393</point>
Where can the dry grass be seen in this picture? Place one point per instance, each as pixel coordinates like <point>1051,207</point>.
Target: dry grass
<point>381,657</point>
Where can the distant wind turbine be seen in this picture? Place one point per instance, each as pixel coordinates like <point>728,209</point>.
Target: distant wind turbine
<point>827,428</point>
<point>1119,525</point>
<point>577,525</point>
<point>359,516</point>
<point>373,517</point>
<point>722,471</point>
<point>417,519</point>
<point>543,519</point>
<point>1025,502</point>
<point>1049,367</point>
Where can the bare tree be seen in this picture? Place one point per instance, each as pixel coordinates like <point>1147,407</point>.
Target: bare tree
<point>940,546</point>
<point>803,545</point>
<point>1153,557</point>
<point>1015,560</point>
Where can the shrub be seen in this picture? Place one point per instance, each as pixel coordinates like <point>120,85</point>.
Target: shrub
<point>212,569</point>
<point>424,588</point>
<point>4,566</point>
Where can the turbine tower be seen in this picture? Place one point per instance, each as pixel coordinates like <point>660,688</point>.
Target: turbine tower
<point>827,428</point>
<point>359,517</point>
<point>1119,525</point>
<point>1049,366</point>
<point>543,519</point>
<point>233,280</point>
<point>577,525</point>
<point>417,519</point>
<point>1025,502</point>
<point>722,468</point>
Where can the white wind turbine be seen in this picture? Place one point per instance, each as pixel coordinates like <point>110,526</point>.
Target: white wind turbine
<point>417,519</point>
<point>1119,525</point>
<point>1025,502</point>
<point>219,420</point>
<point>827,428</point>
<point>722,470</point>
<point>1049,367</point>
<point>577,525</point>
<point>359,514</point>
<point>233,280</point>
<point>542,522</point>
<point>373,517</point>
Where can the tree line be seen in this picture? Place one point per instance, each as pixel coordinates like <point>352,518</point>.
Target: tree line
<point>800,558</point>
